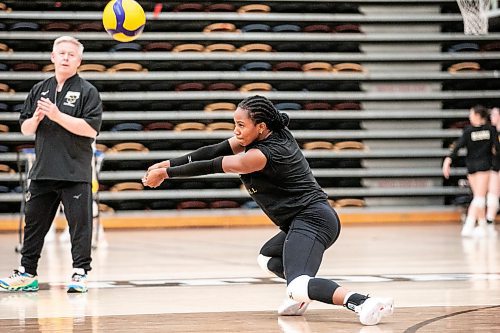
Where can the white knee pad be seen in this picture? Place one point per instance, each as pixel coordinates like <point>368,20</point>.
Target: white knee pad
<point>262,261</point>
<point>492,200</point>
<point>298,289</point>
<point>479,202</point>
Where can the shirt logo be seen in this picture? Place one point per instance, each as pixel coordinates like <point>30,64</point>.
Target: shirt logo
<point>45,92</point>
<point>480,135</point>
<point>251,190</point>
<point>71,97</point>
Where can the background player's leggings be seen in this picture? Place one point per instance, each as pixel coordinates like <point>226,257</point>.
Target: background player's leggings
<point>300,250</point>
<point>42,205</point>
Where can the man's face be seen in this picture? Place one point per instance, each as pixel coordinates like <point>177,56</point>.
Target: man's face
<point>66,58</point>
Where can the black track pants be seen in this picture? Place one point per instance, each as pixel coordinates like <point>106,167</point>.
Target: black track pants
<point>43,199</point>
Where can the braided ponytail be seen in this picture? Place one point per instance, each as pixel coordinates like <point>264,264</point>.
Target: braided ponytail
<point>261,109</point>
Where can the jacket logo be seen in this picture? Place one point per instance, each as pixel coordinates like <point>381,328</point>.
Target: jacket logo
<point>71,97</point>
<point>44,93</point>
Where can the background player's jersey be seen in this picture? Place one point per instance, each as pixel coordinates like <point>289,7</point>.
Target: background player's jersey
<point>481,143</point>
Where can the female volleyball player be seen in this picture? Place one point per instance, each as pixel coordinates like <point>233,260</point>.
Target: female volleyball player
<point>481,140</point>
<point>277,176</point>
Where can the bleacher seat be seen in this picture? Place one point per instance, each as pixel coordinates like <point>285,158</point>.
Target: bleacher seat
<point>157,47</point>
<point>256,86</point>
<point>221,86</point>
<point>220,47</point>
<point>281,28</point>
<point>189,47</point>
<point>220,106</point>
<point>287,66</point>
<point>254,8</point>
<point>220,27</point>
<point>317,66</point>
<point>220,7</point>
<point>255,47</point>
<point>189,7</point>
<point>220,126</point>
<point>256,27</point>
<point>84,68</point>
<point>159,126</point>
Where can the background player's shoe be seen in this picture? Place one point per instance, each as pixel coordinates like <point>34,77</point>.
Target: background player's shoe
<point>20,281</point>
<point>481,230</point>
<point>468,230</point>
<point>373,309</point>
<point>289,307</point>
<point>492,233</point>
<point>78,282</point>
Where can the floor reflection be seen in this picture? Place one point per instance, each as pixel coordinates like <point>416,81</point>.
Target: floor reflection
<point>299,324</point>
<point>293,324</point>
<point>481,254</point>
<point>54,310</point>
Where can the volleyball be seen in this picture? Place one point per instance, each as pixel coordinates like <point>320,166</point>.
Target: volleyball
<point>124,20</point>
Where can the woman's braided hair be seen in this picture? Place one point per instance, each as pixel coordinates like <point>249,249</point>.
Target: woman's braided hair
<point>260,109</point>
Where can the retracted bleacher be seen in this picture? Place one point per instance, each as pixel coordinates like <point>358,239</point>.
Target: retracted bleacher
<point>376,92</point>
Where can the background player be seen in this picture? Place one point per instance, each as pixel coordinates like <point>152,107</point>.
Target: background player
<point>480,139</point>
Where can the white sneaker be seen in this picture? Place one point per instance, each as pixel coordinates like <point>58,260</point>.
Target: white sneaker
<point>289,307</point>
<point>492,233</point>
<point>78,282</point>
<point>480,231</point>
<point>20,281</point>
<point>467,230</point>
<point>373,309</point>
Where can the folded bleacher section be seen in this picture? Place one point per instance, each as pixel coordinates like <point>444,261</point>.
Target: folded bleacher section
<point>376,92</point>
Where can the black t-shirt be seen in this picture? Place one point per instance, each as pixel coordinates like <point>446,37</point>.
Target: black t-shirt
<point>60,154</point>
<point>286,185</point>
<point>481,143</point>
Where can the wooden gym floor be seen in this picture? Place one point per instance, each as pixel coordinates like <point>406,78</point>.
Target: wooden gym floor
<point>207,280</point>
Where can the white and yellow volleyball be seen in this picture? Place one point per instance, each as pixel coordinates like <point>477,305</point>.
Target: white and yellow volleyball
<point>124,20</point>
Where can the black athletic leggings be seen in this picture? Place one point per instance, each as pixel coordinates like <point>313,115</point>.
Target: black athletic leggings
<point>300,250</point>
<point>43,199</point>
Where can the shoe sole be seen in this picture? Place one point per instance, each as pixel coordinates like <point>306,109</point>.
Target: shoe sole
<point>33,286</point>
<point>75,289</point>
<point>14,289</point>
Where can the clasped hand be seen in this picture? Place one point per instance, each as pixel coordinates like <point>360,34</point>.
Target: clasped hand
<point>46,108</point>
<point>155,175</point>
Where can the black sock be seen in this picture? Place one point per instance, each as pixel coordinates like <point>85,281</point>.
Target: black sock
<point>489,221</point>
<point>355,300</point>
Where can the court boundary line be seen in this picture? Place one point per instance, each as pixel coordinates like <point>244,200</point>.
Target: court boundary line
<point>416,327</point>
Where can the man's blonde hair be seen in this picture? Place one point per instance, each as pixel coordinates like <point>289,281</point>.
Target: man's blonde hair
<point>70,40</point>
